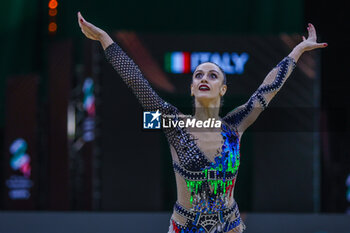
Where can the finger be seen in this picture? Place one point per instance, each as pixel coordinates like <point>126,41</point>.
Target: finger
<point>312,31</point>
<point>79,20</point>
<point>304,38</point>
<point>85,25</point>
<point>82,21</point>
<point>81,16</point>
<point>318,45</point>
<point>322,45</point>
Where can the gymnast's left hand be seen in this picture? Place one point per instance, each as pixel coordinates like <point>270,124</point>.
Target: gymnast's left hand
<point>311,42</point>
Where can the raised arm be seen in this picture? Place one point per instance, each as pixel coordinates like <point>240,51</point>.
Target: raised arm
<point>126,68</point>
<point>243,116</point>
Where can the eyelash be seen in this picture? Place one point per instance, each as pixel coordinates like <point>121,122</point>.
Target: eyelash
<point>215,76</point>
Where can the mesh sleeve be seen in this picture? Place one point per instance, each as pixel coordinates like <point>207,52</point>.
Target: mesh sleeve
<point>243,116</point>
<point>132,76</point>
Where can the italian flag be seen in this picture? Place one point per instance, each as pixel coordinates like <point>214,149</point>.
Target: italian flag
<point>178,62</point>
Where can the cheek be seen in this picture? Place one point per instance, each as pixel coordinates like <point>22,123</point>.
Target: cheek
<point>216,86</point>
<point>194,83</point>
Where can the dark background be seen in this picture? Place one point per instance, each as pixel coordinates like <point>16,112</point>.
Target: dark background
<point>28,49</point>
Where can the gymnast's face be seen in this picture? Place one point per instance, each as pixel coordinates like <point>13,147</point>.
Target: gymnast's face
<point>208,82</point>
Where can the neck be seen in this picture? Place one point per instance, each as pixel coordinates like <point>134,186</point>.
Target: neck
<point>207,109</point>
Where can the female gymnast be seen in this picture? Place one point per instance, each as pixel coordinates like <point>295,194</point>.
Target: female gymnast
<point>206,161</point>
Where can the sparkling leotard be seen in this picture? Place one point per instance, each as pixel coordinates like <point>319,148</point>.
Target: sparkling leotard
<point>210,184</point>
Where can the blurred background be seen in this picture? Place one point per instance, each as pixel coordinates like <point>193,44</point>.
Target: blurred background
<point>73,148</point>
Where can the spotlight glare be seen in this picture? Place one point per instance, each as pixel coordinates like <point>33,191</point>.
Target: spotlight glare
<point>53,12</point>
<point>53,4</point>
<point>52,27</point>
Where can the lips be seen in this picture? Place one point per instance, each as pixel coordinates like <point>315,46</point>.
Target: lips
<point>204,87</point>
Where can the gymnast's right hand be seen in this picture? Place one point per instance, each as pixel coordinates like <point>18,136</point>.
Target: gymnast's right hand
<point>94,33</point>
<point>90,31</point>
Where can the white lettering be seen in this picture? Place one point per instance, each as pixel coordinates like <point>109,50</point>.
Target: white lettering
<point>165,125</point>
<point>206,123</point>
<point>239,61</point>
<point>181,124</point>
<point>231,63</point>
<point>199,124</point>
<point>190,122</point>
<point>174,123</point>
<point>195,60</point>
<point>216,58</point>
<point>204,57</point>
<point>226,66</point>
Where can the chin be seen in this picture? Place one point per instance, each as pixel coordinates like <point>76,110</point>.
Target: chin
<point>205,97</point>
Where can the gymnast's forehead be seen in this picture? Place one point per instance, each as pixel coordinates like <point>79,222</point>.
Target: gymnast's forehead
<point>207,66</point>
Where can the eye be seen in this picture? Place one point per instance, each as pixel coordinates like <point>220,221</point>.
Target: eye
<point>214,76</point>
<point>198,75</point>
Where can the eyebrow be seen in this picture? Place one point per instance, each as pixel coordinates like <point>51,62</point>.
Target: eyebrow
<point>209,71</point>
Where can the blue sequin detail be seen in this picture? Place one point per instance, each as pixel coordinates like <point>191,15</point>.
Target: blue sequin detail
<point>229,152</point>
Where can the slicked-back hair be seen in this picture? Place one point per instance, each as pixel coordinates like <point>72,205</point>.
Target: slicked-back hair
<point>224,81</point>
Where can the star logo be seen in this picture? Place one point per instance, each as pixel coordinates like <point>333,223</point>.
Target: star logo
<point>151,120</point>
<point>155,115</point>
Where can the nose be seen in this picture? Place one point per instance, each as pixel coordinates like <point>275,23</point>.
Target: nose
<point>204,79</point>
